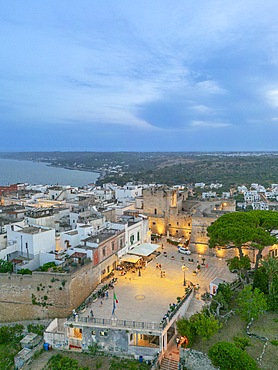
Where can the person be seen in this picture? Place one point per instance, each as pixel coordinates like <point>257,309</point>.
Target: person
<point>106,294</point>
<point>92,314</point>
<point>161,274</point>
<point>178,342</point>
<point>101,303</point>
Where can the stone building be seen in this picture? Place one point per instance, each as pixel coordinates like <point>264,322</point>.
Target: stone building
<point>165,210</point>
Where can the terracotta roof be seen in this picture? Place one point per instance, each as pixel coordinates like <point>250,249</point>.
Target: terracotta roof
<point>78,255</point>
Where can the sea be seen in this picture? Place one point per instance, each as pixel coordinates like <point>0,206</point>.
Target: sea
<point>16,171</point>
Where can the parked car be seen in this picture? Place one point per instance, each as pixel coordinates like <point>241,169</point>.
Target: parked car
<point>184,250</point>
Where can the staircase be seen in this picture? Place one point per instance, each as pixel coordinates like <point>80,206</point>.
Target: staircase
<point>169,364</point>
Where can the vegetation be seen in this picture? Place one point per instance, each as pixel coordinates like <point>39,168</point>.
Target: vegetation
<point>5,266</point>
<point>47,266</point>
<point>25,272</point>
<point>252,303</point>
<point>250,228</point>
<point>73,361</point>
<point>200,324</point>
<point>10,337</point>
<point>241,342</point>
<point>60,362</point>
<point>37,329</point>
<point>166,168</point>
<point>266,279</point>
<point>227,356</point>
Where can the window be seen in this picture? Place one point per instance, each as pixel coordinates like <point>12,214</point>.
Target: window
<point>121,243</point>
<point>138,236</point>
<point>177,231</point>
<point>104,252</point>
<point>177,224</point>
<point>113,246</point>
<point>108,269</point>
<point>155,211</point>
<point>189,224</point>
<point>93,332</point>
<point>170,225</point>
<point>103,333</point>
<point>132,239</point>
<point>154,223</point>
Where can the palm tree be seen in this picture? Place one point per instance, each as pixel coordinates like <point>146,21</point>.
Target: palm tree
<point>271,267</point>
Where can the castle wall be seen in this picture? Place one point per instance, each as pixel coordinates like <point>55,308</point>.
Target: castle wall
<point>45,294</point>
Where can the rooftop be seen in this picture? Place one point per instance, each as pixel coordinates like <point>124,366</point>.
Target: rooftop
<point>32,230</point>
<point>101,237</point>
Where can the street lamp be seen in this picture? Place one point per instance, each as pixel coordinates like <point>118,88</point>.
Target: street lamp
<point>184,268</point>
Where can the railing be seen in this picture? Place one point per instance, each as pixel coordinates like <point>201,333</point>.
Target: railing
<point>116,322</point>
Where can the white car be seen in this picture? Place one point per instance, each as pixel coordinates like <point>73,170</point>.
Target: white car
<point>184,250</point>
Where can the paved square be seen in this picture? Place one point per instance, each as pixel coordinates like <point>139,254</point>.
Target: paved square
<point>146,298</point>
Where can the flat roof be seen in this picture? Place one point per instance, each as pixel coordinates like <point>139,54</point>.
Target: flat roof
<point>32,230</point>
<point>101,237</point>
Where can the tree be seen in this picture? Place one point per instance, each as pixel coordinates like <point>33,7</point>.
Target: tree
<point>251,303</point>
<point>5,266</point>
<point>201,324</point>
<point>227,356</point>
<point>252,228</point>
<point>205,325</point>
<point>260,280</point>
<point>186,329</point>
<point>271,267</point>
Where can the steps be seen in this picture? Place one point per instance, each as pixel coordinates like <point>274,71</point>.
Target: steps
<point>169,364</point>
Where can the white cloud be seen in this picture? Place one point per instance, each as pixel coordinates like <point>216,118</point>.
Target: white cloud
<point>208,124</point>
<point>272,97</point>
<point>202,109</point>
<point>210,87</point>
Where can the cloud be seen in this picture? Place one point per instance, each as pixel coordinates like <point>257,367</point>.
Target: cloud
<point>272,97</point>
<point>208,124</point>
<point>202,109</point>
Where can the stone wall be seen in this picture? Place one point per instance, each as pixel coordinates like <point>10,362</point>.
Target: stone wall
<point>45,295</point>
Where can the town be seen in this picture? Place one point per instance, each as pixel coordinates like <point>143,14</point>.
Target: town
<point>117,266</point>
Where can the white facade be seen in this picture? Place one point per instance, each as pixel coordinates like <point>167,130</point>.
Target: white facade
<point>210,194</point>
<point>128,191</point>
<point>31,240</point>
<point>251,196</point>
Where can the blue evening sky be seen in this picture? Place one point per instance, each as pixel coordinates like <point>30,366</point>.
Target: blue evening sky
<point>139,75</point>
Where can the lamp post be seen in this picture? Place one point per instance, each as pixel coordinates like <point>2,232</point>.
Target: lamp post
<point>184,268</point>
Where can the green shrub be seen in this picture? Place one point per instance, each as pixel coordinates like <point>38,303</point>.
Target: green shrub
<point>241,342</point>
<point>274,342</point>
<point>227,356</point>
<point>25,272</point>
<point>47,266</point>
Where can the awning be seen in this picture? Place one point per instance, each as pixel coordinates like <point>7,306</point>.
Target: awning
<point>130,258</point>
<point>144,249</point>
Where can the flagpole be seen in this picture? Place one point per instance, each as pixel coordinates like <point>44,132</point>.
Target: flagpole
<point>113,305</point>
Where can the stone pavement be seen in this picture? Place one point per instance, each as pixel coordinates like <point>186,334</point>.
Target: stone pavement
<point>146,298</point>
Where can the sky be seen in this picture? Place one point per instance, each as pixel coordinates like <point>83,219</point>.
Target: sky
<point>140,75</point>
